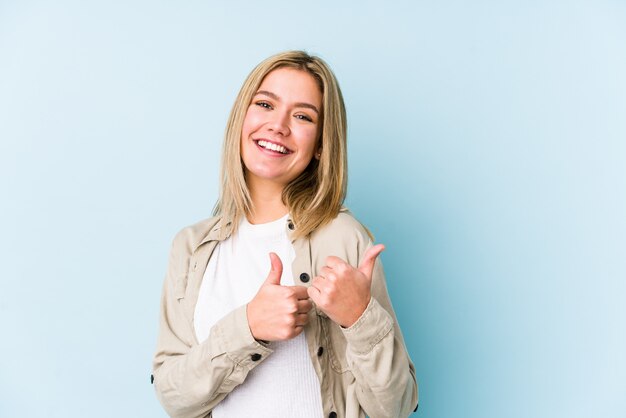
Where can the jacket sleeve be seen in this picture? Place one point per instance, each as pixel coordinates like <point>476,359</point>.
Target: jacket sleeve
<point>376,354</point>
<point>190,378</point>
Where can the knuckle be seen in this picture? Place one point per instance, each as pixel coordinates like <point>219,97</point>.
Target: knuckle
<point>331,288</point>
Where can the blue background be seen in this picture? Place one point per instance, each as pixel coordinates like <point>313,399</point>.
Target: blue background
<point>487,151</point>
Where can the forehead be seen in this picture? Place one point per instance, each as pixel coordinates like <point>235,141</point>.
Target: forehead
<point>292,84</point>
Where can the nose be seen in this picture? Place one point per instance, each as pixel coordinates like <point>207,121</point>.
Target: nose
<point>279,123</point>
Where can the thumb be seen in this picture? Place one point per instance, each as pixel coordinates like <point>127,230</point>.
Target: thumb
<point>276,271</point>
<point>367,265</point>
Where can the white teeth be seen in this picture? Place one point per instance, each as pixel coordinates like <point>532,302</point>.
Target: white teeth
<point>271,146</point>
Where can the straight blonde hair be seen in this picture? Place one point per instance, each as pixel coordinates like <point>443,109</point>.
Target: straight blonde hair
<point>315,197</point>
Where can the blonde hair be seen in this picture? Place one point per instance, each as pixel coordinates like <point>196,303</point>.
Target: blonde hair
<point>315,197</point>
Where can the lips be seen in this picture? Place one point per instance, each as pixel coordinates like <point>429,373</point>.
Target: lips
<point>272,146</point>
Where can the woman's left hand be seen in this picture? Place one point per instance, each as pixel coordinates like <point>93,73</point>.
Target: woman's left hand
<point>342,291</point>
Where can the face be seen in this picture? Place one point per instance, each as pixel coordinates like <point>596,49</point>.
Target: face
<point>280,130</point>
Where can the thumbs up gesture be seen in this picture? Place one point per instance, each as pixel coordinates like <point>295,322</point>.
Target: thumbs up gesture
<point>342,291</point>
<point>278,312</point>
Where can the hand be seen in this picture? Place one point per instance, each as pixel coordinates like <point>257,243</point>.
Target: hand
<point>342,291</point>
<point>278,312</point>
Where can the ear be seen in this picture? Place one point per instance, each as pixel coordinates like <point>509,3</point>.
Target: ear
<point>318,153</point>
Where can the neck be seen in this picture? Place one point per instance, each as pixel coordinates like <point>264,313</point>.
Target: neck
<point>267,203</point>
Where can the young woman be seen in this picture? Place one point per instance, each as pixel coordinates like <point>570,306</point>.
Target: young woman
<point>277,305</point>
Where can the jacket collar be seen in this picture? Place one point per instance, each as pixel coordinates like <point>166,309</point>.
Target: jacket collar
<point>216,231</point>
<point>220,228</point>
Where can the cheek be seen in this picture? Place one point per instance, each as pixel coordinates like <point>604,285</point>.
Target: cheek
<point>309,140</point>
<point>246,131</point>
<point>253,120</point>
<point>247,124</point>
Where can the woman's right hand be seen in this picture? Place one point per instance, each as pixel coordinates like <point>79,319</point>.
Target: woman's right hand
<point>278,312</point>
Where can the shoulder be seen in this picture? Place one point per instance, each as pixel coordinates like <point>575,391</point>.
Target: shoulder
<point>344,237</point>
<point>344,226</point>
<point>191,236</point>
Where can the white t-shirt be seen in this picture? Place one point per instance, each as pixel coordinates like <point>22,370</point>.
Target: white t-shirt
<point>285,384</point>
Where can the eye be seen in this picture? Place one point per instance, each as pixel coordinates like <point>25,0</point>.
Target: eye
<point>264,104</point>
<point>304,117</point>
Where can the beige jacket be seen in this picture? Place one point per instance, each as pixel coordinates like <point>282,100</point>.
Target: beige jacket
<point>364,369</point>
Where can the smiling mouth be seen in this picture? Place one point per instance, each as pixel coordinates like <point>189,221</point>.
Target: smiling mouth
<point>272,146</point>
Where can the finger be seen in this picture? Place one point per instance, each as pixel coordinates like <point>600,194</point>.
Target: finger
<point>318,283</point>
<point>333,261</point>
<point>325,271</point>
<point>369,259</point>
<point>330,277</point>
<point>300,292</point>
<point>302,319</point>
<point>323,286</point>
<point>314,293</point>
<point>276,270</point>
<point>304,305</point>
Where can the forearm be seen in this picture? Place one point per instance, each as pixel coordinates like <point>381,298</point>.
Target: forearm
<point>190,381</point>
<point>380,364</point>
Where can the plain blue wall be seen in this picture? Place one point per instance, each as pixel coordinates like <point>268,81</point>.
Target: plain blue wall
<point>487,150</point>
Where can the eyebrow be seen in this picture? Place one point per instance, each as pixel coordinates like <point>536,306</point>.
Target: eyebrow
<point>299,104</point>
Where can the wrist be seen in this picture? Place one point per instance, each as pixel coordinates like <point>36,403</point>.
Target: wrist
<point>355,314</point>
<point>250,319</point>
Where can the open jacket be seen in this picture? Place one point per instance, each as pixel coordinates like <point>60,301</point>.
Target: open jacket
<point>363,369</point>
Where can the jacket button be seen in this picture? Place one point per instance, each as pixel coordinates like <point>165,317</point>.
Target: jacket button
<point>304,277</point>
<point>320,351</point>
<point>291,226</point>
<point>332,415</point>
<point>255,357</point>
